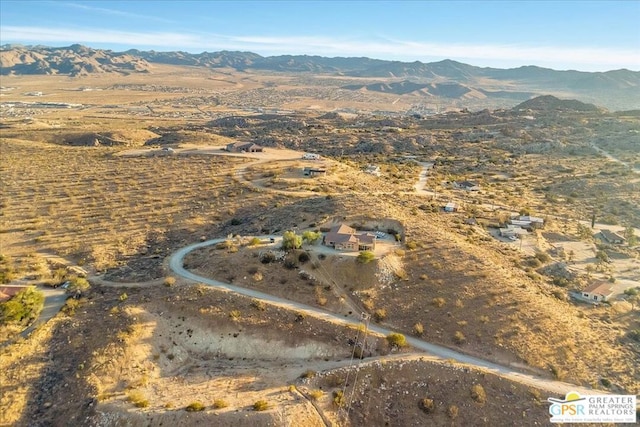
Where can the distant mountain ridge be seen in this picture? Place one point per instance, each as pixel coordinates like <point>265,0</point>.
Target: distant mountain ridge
<point>610,87</point>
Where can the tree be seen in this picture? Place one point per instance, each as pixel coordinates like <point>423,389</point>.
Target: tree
<point>365,257</point>
<point>290,240</point>
<point>311,237</point>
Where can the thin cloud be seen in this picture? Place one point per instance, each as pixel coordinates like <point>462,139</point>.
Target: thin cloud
<point>115,12</point>
<point>599,59</point>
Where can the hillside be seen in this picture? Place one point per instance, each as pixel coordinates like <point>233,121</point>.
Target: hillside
<point>617,89</point>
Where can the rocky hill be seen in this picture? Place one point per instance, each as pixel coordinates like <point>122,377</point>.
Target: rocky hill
<point>74,60</point>
<point>617,90</point>
<point>549,103</point>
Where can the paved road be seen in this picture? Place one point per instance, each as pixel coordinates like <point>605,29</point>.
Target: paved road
<point>176,262</point>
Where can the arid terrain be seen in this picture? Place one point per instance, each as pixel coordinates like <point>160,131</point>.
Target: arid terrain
<point>107,175</point>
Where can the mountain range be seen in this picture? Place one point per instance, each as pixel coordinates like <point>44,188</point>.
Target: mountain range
<point>618,88</point>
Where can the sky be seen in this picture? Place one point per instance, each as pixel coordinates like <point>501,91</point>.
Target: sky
<point>578,35</point>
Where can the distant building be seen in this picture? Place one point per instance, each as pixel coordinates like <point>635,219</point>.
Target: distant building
<point>598,292</point>
<point>467,185</point>
<point>512,230</point>
<point>344,238</point>
<point>611,237</point>
<point>307,171</point>
<point>311,156</point>
<point>451,207</point>
<point>244,147</point>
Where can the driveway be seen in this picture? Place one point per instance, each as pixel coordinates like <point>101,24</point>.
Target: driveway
<point>436,351</point>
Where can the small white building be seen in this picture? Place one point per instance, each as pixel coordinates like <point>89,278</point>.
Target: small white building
<point>372,170</point>
<point>311,156</point>
<point>512,230</point>
<point>451,207</point>
<point>598,292</point>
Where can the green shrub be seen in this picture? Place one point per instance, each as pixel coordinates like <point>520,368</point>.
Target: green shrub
<point>397,340</point>
<point>311,237</point>
<point>137,398</point>
<point>338,399</point>
<point>365,257</point>
<point>219,404</point>
<point>316,394</point>
<point>23,306</point>
<point>308,374</point>
<point>169,281</point>
<point>261,405</point>
<point>290,240</point>
<point>303,257</point>
<point>195,407</point>
<point>255,241</point>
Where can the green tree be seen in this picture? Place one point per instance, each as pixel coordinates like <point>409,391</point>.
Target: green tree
<point>24,306</point>
<point>311,237</point>
<point>290,240</point>
<point>79,285</point>
<point>365,257</point>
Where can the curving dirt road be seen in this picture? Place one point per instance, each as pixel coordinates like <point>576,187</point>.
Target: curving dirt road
<point>435,351</point>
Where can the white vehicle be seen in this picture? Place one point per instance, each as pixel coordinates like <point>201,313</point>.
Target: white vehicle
<point>512,238</point>
<point>310,156</point>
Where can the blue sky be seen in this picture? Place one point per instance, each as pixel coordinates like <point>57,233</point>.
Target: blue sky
<point>582,35</point>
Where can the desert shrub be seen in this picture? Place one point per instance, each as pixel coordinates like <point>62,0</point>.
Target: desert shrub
<point>78,284</point>
<point>195,407</point>
<point>258,305</point>
<point>559,294</point>
<point>631,291</point>
<point>542,257</point>
<point>291,263</point>
<point>411,245</point>
<point>427,405</point>
<point>290,240</point>
<point>452,412</point>
<point>438,302</point>
<point>254,241</point>
<point>316,394</point>
<point>235,314</point>
<point>459,337</point>
<point>397,340</point>
<point>169,281</point>
<point>308,374</point>
<point>137,398</point>
<point>484,319</point>
<point>365,257</point>
<point>236,221</point>
<point>379,315</point>
<point>219,404</point>
<point>123,297</point>
<point>261,405</point>
<point>23,306</point>
<point>334,380</point>
<point>267,258</point>
<point>634,334</point>
<point>303,257</point>
<point>478,394</point>
<point>605,382</point>
<point>311,237</point>
<point>418,329</point>
<point>338,399</point>
<point>70,306</point>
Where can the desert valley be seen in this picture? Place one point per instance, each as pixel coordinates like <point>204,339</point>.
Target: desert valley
<point>236,240</point>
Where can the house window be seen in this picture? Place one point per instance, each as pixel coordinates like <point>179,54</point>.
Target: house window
<point>595,297</point>
<point>585,295</point>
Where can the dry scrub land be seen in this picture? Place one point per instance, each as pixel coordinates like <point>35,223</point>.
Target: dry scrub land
<point>142,354</point>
